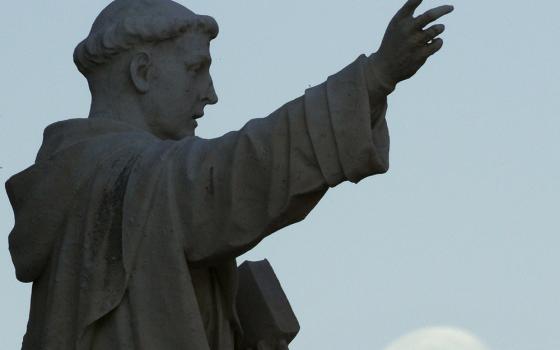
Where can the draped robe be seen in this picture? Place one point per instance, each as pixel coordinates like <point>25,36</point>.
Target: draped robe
<point>130,241</point>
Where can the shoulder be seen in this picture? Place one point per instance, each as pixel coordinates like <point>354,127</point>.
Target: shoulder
<point>92,136</point>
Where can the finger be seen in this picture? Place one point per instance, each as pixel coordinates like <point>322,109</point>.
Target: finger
<point>432,15</point>
<point>433,47</point>
<point>409,8</point>
<point>432,32</point>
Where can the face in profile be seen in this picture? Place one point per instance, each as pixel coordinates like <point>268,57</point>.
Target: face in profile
<point>180,85</point>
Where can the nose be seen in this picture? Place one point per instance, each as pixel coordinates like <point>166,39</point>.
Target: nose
<point>211,96</point>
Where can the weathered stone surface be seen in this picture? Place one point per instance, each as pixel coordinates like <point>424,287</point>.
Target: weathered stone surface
<point>128,225</point>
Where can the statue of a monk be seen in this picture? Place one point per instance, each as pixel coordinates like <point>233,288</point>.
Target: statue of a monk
<point>129,225</point>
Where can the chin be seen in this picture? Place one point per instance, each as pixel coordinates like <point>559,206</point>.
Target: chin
<point>188,131</point>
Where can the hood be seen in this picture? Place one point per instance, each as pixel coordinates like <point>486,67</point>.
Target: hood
<point>42,194</point>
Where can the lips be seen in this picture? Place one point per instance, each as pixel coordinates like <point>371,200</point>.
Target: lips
<point>195,117</point>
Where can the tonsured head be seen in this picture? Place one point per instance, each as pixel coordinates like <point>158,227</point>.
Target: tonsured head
<point>151,56</point>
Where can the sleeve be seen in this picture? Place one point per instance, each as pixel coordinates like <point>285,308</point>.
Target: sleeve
<point>227,194</point>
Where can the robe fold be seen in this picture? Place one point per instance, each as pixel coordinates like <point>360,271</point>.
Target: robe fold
<point>130,241</point>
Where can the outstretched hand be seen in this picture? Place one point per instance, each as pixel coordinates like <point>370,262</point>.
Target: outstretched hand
<point>407,44</point>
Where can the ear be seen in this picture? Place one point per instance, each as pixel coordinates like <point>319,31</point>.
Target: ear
<point>140,67</point>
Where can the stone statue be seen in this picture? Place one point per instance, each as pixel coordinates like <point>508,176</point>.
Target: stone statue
<point>129,225</point>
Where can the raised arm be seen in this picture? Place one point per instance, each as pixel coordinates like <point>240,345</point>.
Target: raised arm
<point>233,191</point>
<point>226,194</point>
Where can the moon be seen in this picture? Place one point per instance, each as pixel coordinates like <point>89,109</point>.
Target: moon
<point>438,338</point>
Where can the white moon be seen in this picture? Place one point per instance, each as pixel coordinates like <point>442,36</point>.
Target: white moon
<point>438,338</point>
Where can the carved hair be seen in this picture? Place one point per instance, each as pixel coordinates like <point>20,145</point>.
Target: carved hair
<point>111,36</point>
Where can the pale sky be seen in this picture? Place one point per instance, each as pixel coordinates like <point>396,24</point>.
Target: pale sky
<point>463,231</point>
